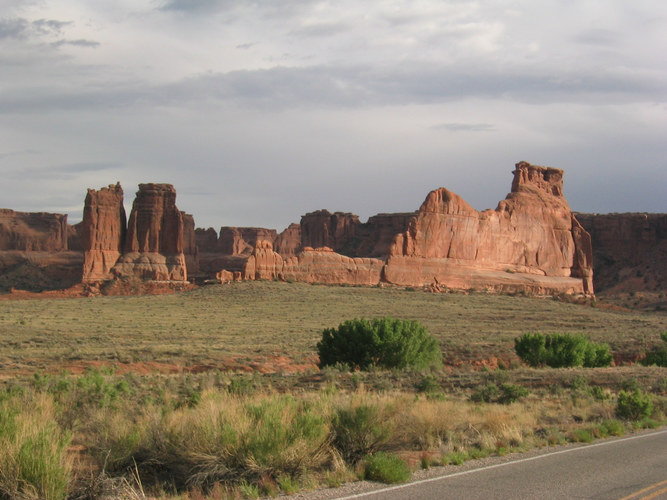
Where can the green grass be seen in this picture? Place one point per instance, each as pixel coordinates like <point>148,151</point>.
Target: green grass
<point>249,321</point>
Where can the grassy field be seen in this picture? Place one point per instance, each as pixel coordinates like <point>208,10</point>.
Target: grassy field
<point>252,322</point>
<point>151,396</point>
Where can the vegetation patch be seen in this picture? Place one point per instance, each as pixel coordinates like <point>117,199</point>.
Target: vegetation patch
<point>561,350</point>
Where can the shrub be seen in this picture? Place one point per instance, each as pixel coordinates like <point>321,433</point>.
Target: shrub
<point>381,342</point>
<point>561,350</point>
<point>658,355</point>
<point>505,394</point>
<point>634,405</point>
<point>33,451</point>
<point>359,430</point>
<point>386,468</point>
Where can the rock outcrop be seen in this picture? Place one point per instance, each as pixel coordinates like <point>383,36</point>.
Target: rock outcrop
<point>321,265</point>
<point>102,232</point>
<point>33,231</point>
<point>288,243</point>
<point>629,250</point>
<point>242,240</point>
<point>530,232</point>
<point>154,243</point>
<point>324,229</point>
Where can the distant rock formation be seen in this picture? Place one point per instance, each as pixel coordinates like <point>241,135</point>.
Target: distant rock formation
<point>288,243</point>
<point>154,242</point>
<point>530,232</point>
<point>34,251</point>
<point>629,250</point>
<point>321,265</point>
<point>324,229</point>
<point>32,231</point>
<point>102,232</point>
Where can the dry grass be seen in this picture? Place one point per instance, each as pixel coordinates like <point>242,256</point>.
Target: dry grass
<point>254,322</point>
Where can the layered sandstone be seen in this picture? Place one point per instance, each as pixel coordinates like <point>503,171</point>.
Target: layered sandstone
<point>324,229</point>
<point>102,232</point>
<point>530,232</point>
<point>190,249</point>
<point>629,250</point>
<point>32,231</point>
<point>321,265</point>
<point>242,240</point>
<point>288,243</point>
<point>154,241</point>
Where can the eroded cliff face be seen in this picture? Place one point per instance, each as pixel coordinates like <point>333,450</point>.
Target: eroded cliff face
<point>154,243</point>
<point>321,265</point>
<point>324,229</point>
<point>33,231</point>
<point>35,253</point>
<point>530,232</point>
<point>629,250</point>
<point>102,232</point>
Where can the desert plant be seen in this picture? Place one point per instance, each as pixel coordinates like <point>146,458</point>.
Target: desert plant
<point>359,430</point>
<point>634,405</point>
<point>561,350</point>
<point>33,450</point>
<point>386,468</point>
<point>658,355</point>
<point>381,342</point>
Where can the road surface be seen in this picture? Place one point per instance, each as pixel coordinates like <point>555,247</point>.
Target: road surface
<point>629,468</point>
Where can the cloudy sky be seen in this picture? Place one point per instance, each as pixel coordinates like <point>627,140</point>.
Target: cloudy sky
<point>260,111</point>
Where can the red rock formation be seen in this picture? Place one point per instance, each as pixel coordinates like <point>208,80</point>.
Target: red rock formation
<point>190,249</point>
<point>530,232</point>
<point>264,263</point>
<point>324,229</point>
<point>154,241</point>
<point>323,265</point>
<point>206,240</point>
<point>242,240</point>
<point>629,250</point>
<point>288,243</point>
<point>375,237</point>
<point>32,231</point>
<point>102,232</point>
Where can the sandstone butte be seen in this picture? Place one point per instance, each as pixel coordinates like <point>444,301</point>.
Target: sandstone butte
<point>157,243</point>
<point>531,242</point>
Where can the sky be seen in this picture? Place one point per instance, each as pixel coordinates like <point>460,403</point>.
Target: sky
<point>261,111</point>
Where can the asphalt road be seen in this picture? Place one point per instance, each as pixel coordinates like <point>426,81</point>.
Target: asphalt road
<point>629,468</point>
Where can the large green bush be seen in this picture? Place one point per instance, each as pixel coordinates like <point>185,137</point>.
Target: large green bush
<point>381,342</point>
<point>561,350</point>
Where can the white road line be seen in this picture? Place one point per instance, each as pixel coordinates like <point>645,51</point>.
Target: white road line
<point>496,466</point>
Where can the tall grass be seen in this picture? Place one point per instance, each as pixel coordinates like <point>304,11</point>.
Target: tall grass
<point>33,449</point>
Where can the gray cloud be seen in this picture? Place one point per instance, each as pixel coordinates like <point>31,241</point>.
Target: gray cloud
<point>464,127</point>
<point>76,43</point>
<point>13,28</point>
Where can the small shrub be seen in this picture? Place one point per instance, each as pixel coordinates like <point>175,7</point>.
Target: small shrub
<point>386,468</point>
<point>383,342</point>
<point>658,355</point>
<point>612,428</point>
<point>359,431</point>
<point>428,384</point>
<point>561,350</point>
<point>510,393</point>
<point>634,405</point>
<point>485,394</point>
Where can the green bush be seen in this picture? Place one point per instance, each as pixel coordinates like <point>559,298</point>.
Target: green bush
<point>386,468</point>
<point>505,394</point>
<point>561,350</point>
<point>658,355</point>
<point>360,430</point>
<point>380,342</point>
<point>634,405</point>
